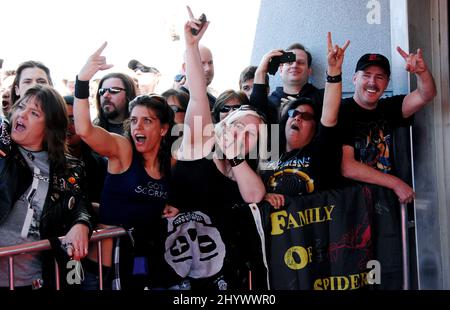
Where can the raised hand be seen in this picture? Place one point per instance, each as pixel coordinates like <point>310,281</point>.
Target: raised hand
<point>95,63</point>
<point>414,62</point>
<point>195,24</point>
<point>264,63</point>
<point>335,56</point>
<point>230,144</point>
<point>287,100</point>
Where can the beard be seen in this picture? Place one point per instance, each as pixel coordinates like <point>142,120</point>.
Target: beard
<point>110,112</point>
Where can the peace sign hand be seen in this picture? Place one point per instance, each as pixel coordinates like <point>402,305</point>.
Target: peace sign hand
<point>335,56</point>
<point>95,63</point>
<point>414,62</point>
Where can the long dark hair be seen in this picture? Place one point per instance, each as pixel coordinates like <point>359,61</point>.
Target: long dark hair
<point>56,121</point>
<point>130,91</point>
<point>23,66</point>
<point>165,114</point>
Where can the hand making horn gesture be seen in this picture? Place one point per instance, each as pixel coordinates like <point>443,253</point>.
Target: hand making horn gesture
<point>335,56</point>
<point>194,28</point>
<point>96,62</point>
<point>414,62</point>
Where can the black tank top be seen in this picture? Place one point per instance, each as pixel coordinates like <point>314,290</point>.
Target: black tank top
<point>132,198</point>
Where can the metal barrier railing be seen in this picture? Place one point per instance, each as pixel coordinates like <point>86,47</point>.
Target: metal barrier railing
<point>405,245</point>
<point>116,232</point>
<point>44,245</point>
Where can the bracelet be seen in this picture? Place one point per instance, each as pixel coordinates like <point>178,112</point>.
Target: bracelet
<point>334,79</point>
<point>236,161</point>
<point>81,89</point>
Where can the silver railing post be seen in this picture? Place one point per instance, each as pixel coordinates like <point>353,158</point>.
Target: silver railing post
<point>100,264</point>
<point>11,272</point>
<point>405,245</point>
<point>57,280</point>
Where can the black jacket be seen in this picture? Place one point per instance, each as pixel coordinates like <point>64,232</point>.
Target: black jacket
<point>66,203</point>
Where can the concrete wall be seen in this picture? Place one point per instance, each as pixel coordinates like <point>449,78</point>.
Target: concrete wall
<point>428,29</point>
<point>283,22</point>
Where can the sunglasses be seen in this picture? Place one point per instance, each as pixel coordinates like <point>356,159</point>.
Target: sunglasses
<point>228,108</point>
<point>111,90</point>
<point>177,109</point>
<point>306,116</point>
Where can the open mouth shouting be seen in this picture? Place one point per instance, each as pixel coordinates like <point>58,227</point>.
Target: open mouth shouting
<point>294,126</point>
<point>140,139</point>
<point>19,127</point>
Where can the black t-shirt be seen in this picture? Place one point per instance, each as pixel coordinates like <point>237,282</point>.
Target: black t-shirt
<point>370,132</point>
<point>211,98</point>
<point>115,128</point>
<point>303,171</point>
<point>199,186</point>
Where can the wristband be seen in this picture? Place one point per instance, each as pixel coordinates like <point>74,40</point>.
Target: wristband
<point>81,89</point>
<point>236,161</point>
<point>334,79</point>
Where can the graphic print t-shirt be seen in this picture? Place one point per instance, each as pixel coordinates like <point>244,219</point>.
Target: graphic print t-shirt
<point>370,131</point>
<point>27,267</point>
<point>304,171</point>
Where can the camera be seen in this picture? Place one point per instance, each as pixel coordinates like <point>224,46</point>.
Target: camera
<point>276,61</point>
<point>203,21</point>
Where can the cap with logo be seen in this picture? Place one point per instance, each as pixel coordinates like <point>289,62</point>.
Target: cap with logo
<point>379,60</point>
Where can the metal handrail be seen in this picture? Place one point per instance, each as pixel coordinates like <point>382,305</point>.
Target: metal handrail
<point>405,245</point>
<point>43,245</point>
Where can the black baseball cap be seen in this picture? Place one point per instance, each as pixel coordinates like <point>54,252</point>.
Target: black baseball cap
<point>374,60</point>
